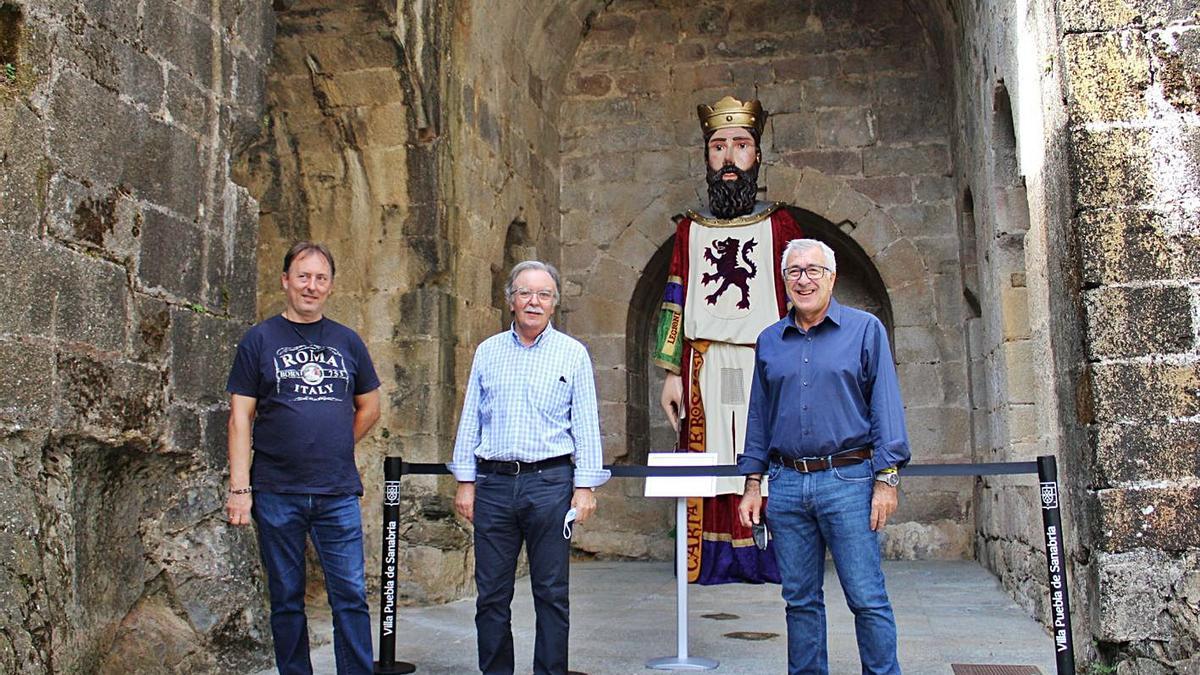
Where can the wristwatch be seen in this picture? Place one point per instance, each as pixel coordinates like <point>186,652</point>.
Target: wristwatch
<point>890,478</point>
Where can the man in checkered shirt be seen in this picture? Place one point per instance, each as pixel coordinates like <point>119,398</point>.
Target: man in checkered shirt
<point>528,450</point>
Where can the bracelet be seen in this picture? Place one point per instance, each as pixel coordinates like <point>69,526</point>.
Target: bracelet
<point>240,491</point>
<point>752,478</point>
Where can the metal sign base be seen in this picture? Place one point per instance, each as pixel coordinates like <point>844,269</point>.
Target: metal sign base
<point>394,668</point>
<point>681,661</point>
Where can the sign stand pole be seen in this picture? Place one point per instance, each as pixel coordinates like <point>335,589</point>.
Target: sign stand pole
<point>1056,564</point>
<point>681,661</point>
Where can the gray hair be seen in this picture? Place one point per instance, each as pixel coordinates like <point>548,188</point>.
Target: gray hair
<point>802,245</point>
<point>510,289</point>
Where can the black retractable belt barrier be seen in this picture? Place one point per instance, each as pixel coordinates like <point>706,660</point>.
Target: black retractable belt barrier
<point>1045,467</point>
<point>387,663</point>
<point>1056,550</point>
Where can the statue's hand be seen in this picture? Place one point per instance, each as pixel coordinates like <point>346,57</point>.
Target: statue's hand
<point>672,399</point>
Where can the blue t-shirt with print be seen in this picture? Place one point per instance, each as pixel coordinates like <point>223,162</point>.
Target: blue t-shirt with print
<point>305,377</point>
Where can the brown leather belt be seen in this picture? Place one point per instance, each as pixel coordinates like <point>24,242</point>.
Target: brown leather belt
<point>812,464</point>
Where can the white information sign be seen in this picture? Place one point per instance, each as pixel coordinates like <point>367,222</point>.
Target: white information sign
<point>681,486</point>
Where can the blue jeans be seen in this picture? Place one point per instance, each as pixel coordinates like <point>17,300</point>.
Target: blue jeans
<point>806,513</point>
<point>510,510</point>
<point>335,524</point>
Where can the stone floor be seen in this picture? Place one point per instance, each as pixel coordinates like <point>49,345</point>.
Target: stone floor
<point>623,613</point>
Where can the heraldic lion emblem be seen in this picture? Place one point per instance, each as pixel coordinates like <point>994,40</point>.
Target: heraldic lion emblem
<point>729,271</point>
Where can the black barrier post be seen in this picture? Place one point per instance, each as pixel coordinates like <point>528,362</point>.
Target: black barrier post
<point>393,469</point>
<point>1060,601</point>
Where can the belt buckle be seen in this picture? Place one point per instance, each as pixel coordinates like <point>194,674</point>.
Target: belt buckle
<point>804,463</point>
<point>518,471</point>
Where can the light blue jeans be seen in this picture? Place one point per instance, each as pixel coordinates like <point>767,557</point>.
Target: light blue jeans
<point>335,524</point>
<point>806,513</point>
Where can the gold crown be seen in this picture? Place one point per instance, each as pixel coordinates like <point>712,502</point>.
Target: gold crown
<point>730,112</point>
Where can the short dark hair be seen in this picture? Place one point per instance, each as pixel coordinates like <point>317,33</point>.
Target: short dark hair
<point>301,247</point>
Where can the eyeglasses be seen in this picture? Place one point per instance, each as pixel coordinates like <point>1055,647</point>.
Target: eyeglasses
<point>814,272</point>
<point>525,294</point>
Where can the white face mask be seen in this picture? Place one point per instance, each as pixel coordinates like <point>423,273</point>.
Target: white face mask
<point>567,520</point>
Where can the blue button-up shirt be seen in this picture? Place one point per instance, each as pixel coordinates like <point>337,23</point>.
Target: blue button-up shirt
<point>530,403</point>
<point>825,391</point>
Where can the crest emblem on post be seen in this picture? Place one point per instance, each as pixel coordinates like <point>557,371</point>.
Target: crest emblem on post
<point>391,493</point>
<point>1049,495</point>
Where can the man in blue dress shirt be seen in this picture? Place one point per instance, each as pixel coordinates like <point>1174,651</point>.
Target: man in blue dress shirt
<point>528,450</point>
<point>826,424</point>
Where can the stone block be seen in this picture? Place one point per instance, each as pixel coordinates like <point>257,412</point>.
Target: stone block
<point>918,159</point>
<point>589,84</point>
<point>1137,321</point>
<point>933,188</point>
<point>920,121</point>
<point>1164,518</point>
<point>886,190</point>
<point>782,98</point>
<point>181,38</point>
<point>920,384</point>
<point>149,330</point>
<point>112,62</point>
<point>749,75</point>
<point>917,344</point>
<point>1089,16</point>
<point>1145,392</point>
<point>791,131</point>
<point>806,67</point>
<point>162,167</point>
<point>1014,313</point>
<point>844,128</point>
<point>1118,167</point>
<point>1122,245</point>
<point>1148,451</point>
<point>610,28</point>
<point>202,350</point>
<point>103,218</point>
<point>58,292</point>
<point>937,432</point>
<point>599,317</point>
<point>1135,589</point>
<point>107,397</point>
<point>913,304</point>
<point>831,162</point>
<point>188,104</point>
<point>26,390</point>
<point>1107,76</point>
<point>611,386</point>
<point>1019,371</point>
<point>24,169</point>
<point>925,220</point>
<point>840,92</point>
<point>171,258</point>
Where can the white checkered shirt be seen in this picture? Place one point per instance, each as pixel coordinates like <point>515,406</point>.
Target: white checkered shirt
<point>531,403</point>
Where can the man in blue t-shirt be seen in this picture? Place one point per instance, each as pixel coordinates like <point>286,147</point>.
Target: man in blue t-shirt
<point>303,391</point>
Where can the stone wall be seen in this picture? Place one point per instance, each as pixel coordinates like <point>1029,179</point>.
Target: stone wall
<point>1131,70</point>
<point>129,276</point>
<point>347,157</point>
<point>858,135</point>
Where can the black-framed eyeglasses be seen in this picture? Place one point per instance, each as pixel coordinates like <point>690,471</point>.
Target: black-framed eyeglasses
<point>814,272</point>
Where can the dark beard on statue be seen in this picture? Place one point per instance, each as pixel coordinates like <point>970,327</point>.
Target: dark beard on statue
<point>733,198</point>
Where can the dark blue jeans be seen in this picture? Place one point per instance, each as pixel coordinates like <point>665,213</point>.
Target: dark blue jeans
<point>511,510</point>
<point>335,524</point>
<point>805,513</point>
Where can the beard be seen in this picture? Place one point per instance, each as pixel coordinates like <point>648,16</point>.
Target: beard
<point>732,198</point>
